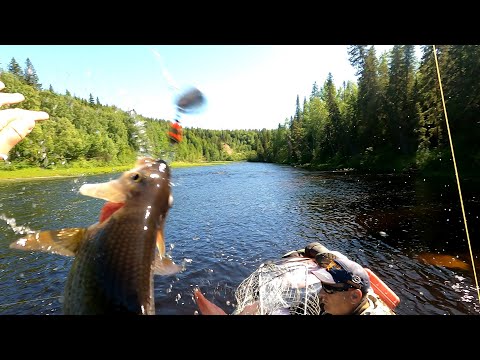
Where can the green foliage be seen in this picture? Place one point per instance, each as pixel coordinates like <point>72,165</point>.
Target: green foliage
<point>84,132</point>
<point>391,119</point>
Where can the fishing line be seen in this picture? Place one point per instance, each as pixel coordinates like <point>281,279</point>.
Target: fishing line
<point>190,100</point>
<point>456,171</point>
<point>175,131</point>
<point>173,85</point>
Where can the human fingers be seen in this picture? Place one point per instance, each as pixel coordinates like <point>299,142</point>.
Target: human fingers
<point>15,124</point>
<point>9,115</point>
<point>7,98</point>
<point>13,133</point>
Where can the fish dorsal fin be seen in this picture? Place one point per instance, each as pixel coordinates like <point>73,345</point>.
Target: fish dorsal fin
<point>163,265</point>
<point>62,242</point>
<point>143,161</point>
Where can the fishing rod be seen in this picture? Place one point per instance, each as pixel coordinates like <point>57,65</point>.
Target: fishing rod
<point>456,170</point>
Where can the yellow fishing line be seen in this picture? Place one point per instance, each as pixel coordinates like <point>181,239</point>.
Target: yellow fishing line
<point>456,171</point>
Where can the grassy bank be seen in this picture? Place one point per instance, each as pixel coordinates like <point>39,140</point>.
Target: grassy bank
<point>30,173</point>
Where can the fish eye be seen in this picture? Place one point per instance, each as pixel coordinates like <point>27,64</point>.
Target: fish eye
<point>136,177</point>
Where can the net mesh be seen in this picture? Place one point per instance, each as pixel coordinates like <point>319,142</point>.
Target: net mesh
<point>284,286</point>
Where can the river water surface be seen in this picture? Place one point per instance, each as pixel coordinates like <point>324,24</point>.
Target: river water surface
<point>228,219</point>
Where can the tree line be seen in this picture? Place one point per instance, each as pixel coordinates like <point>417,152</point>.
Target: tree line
<point>390,119</point>
<point>86,132</point>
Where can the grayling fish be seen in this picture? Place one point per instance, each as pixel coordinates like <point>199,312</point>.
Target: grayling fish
<point>115,259</point>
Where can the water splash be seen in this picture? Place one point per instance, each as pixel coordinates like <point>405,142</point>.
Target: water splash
<point>21,230</point>
<point>141,139</point>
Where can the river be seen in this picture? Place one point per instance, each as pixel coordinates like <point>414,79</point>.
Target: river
<point>228,219</point>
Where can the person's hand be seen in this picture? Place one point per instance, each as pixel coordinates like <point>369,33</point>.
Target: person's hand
<point>15,124</point>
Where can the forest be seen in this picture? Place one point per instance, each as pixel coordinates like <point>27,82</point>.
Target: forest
<point>391,119</point>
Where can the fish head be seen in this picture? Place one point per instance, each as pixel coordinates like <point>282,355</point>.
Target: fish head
<point>148,184</point>
<point>148,180</point>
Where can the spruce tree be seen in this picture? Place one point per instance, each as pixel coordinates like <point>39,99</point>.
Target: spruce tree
<point>30,75</point>
<point>14,68</point>
<point>315,92</point>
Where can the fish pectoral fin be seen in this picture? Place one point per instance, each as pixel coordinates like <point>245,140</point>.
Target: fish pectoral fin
<point>162,264</point>
<point>165,266</point>
<point>62,242</point>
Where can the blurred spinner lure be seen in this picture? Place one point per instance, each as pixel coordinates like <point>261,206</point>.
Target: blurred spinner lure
<point>187,101</point>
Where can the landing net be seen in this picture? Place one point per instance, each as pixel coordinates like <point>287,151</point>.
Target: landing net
<point>280,287</point>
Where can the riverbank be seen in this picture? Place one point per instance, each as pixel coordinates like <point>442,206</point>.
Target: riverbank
<point>445,173</point>
<point>41,173</point>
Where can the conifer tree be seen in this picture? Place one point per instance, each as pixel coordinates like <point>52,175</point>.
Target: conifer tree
<point>333,124</point>
<point>432,129</point>
<point>30,75</point>
<point>15,69</point>
<point>368,89</point>
<point>298,111</point>
<point>357,55</point>
<point>315,92</point>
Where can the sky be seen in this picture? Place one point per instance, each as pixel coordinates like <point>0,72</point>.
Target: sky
<point>246,86</point>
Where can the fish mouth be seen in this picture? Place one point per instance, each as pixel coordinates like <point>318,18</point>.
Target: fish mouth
<point>109,191</point>
<point>116,190</point>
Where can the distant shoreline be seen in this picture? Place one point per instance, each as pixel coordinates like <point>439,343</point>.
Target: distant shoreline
<point>47,174</point>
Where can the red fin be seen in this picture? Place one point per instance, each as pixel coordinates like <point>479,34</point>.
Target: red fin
<point>108,209</point>
<point>206,307</point>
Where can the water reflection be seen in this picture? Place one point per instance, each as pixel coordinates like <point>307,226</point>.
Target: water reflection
<point>228,219</point>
